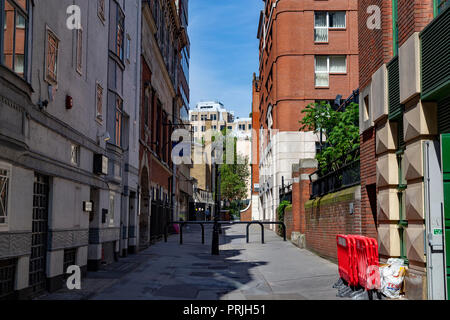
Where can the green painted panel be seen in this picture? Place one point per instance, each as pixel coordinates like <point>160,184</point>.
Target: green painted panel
<point>446,153</point>
<point>445,143</point>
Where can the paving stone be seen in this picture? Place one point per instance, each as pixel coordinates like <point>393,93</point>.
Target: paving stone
<point>274,270</point>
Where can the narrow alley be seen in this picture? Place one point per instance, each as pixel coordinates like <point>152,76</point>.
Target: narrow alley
<point>275,270</point>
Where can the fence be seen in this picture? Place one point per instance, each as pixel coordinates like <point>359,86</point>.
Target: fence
<point>340,174</point>
<point>159,219</point>
<point>285,193</point>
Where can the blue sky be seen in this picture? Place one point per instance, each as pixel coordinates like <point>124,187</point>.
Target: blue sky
<point>224,52</point>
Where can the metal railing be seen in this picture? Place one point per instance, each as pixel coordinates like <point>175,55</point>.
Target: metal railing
<point>285,193</point>
<point>220,223</point>
<point>340,174</point>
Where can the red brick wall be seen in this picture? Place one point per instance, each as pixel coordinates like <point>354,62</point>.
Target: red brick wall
<point>287,61</point>
<point>375,46</point>
<point>247,215</point>
<point>413,16</point>
<point>255,132</point>
<point>368,183</point>
<point>288,221</point>
<point>324,222</point>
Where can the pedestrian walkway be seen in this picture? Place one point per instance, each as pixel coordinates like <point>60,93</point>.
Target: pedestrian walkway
<point>276,270</point>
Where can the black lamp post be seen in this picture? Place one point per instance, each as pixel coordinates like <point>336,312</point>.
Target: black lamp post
<point>216,229</point>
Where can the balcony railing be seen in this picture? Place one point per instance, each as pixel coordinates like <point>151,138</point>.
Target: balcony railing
<point>340,174</point>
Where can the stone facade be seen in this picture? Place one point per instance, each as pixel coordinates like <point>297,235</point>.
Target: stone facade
<point>395,126</point>
<point>59,116</point>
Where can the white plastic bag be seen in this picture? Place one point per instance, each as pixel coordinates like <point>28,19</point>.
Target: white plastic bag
<point>392,277</point>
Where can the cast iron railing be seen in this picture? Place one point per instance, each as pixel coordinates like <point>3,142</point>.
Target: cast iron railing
<point>285,193</point>
<point>340,174</point>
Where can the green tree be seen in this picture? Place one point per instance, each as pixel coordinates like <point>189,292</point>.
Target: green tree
<point>340,128</point>
<point>234,175</point>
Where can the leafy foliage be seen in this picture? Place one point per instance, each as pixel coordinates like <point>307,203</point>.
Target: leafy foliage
<point>340,128</point>
<point>234,177</point>
<point>281,208</point>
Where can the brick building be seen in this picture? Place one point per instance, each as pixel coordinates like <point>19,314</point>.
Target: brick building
<point>163,39</point>
<point>254,212</point>
<point>403,126</point>
<point>308,53</point>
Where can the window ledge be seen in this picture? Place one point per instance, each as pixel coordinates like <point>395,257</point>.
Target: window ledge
<point>337,29</point>
<point>338,73</point>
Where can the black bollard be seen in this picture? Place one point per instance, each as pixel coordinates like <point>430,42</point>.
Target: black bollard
<point>215,239</point>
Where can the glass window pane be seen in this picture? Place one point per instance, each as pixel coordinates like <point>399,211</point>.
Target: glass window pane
<point>4,181</point>
<point>322,64</point>
<point>8,35</point>
<point>338,64</point>
<point>320,19</point>
<point>322,79</point>
<point>19,64</point>
<point>321,34</point>
<point>19,50</point>
<point>337,19</point>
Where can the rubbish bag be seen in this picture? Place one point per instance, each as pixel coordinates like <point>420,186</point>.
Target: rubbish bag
<point>392,277</point>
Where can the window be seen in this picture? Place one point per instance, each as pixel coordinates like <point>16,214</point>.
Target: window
<point>214,128</point>
<point>204,117</point>
<point>79,50</point>
<point>111,209</point>
<point>324,65</point>
<point>117,30</point>
<point>51,74</point>
<point>366,108</point>
<point>120,35</point>
<point>327,20</point>
<point>146,109</point>
<point>99,103</point>
<point>195,129</point>
<point>214,117</point>
<point>101,9</point>
<point>249,127</point>
<point>5,176</point>
<point>194,118</point>
<point>118,123</point>
<point>128,54</point>
<point>75,155</point>
<point>203,129</point>
<point>14,17</point>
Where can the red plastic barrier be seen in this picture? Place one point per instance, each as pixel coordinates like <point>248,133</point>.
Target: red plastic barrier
<point>367,262</point>
<point>346,259</point>
<point>358,261</point>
